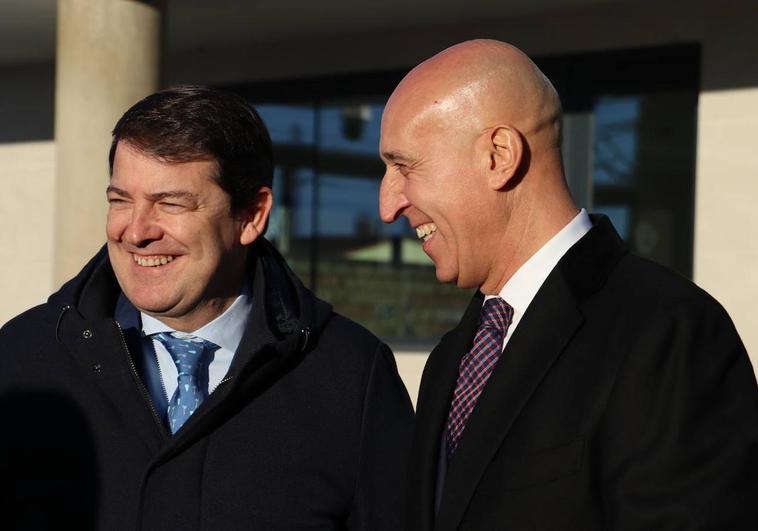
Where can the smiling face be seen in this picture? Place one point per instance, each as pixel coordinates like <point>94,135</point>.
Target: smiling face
<point>176,249</point>
<point>434,178</point>
<point>471,143</point>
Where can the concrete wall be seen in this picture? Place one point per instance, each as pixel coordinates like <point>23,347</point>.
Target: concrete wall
<point>26,238</point>
<point>27,177</point>
<point>605,26</point>
<point>726,219</point>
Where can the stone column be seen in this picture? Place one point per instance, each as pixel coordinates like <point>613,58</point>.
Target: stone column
<point>108,57</point>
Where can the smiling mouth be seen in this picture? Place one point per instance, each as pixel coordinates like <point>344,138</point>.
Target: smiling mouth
<point>425,231</point>
<point>153,261</point>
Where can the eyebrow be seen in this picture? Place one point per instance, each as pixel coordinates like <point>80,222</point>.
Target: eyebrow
<point>116,190</point>
<point>396,156</point>
<point>156,196</point>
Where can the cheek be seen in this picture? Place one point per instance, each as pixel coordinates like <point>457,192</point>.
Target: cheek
<point>466,226</point>
<point>213,241</point>
<point>115,224</point>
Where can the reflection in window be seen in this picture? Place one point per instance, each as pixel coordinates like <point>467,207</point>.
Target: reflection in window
<point>629,141</point>
<point>351,128</point>
<point>615,120</point>
<point>289,124</point>
<point>643,167</point>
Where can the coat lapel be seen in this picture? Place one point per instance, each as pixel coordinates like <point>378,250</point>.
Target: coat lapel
<point>544,331</point>
<point>436,388</point>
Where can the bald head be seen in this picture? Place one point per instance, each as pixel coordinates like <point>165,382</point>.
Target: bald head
<point>471,141</point>
<point>479,84</point>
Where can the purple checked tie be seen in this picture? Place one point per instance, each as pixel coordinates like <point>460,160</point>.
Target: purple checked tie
<point>189,353</point>
<point>476,367</point>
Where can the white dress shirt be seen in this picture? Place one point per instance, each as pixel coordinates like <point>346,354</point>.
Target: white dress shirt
<point>225,331</point>
<point>528,279</point>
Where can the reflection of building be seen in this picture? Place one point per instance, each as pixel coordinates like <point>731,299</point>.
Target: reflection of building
<point>659,100</point>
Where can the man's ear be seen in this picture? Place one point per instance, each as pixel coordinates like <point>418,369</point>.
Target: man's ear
<point>506,151</point>
<point>255,217</point>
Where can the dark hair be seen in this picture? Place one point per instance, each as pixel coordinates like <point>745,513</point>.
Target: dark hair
<point>189,123</point>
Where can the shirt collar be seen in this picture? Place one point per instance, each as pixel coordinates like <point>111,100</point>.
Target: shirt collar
<point>527,280</point>
<point>225,330</point>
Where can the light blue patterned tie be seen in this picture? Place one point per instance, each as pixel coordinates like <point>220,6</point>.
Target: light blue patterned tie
<point>189,354</point>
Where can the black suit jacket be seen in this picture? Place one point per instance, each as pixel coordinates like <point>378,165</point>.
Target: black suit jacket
<point>624,400</point>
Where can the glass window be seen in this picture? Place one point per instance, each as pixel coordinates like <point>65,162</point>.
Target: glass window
<point>326,222</point>
<point>629,141</point>
<point>643,172</point>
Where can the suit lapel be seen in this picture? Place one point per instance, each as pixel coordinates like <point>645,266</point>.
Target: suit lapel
<point>436,388</point>
<point>546,328</point>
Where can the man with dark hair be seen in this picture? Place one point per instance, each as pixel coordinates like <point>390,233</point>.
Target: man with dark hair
<point>584,388</point>
<point>186,379</point>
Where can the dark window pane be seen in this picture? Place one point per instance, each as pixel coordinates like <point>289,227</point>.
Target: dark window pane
<point>643,172</point>
<point>374,273</point>
<point>291,230</point>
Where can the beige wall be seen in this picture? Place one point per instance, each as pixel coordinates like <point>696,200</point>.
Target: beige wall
<point>26,238</point>
<point>410,365</point>
<point>726,223</point>
<point>726,216</point>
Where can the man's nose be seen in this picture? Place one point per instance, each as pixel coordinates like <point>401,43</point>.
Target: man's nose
<point>392,200</point>
<point>143,227</point>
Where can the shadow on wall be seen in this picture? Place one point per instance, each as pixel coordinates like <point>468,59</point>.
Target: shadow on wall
<point>47,463</point>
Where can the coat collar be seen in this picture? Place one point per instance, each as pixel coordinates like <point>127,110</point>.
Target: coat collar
<point>282,327</point>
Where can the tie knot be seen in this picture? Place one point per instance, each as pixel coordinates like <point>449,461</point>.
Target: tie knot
<point>187,351</point>
<point>496,313</point>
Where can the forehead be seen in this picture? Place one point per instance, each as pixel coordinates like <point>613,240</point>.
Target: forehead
<point>415,129</point>
<point>428,102</point>
<point>135,168</point>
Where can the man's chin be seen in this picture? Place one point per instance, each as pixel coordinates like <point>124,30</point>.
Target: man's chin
<point>450,277</point>
<point>153,306</point>
<point>170,316</point>
<point>446,277</point>
<point>157,311</point>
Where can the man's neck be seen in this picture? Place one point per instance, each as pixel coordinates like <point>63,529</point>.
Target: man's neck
<point>523,241</point>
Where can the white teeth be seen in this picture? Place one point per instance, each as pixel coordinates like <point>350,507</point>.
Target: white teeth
<point>154,261</point>
<point>425,230</point>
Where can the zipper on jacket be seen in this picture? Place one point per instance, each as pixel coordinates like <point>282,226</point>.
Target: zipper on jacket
<point>163,383</point>
<point>160,375</point>
<point>223,381</point>
<point>140,385</point>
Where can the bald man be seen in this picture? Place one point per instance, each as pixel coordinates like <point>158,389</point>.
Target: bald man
<point>584,388</point>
